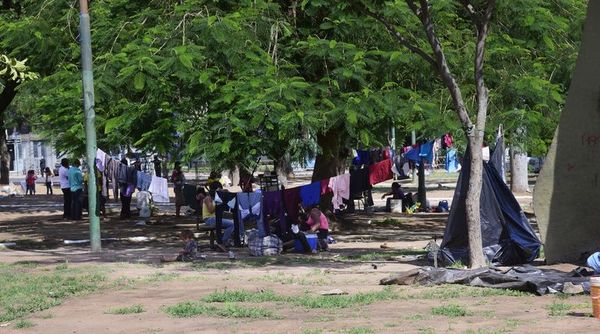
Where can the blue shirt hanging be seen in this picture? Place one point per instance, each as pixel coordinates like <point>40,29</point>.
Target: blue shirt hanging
<point>311,194</point>
<point>362,158</point>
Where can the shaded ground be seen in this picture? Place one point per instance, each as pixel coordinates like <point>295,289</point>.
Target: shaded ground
<point>355,265</point>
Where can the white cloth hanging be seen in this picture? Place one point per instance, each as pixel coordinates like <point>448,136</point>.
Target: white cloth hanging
<point>159,189</point>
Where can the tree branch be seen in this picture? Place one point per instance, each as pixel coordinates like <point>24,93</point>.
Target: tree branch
<point>470,10</point>
<point>8,94</point>
<point>424,15</point>
<point>482,91</point>
<point>401,39</point>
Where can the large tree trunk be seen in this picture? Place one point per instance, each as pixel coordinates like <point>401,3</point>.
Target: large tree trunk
<point>332,159</point>
<point>283,168</point>
<point>8,94</point>
<point>519,182</point>
<point>473,203</point>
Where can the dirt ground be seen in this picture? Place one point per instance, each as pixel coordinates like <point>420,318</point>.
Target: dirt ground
<point>36,227</point>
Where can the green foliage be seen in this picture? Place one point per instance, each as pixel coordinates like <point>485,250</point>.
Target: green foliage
<point>233,80</point>
<point>451,311</point>
<point>133,309</point>
<point>337,302</point>
<point>359,330</point>
<point>190,309</point>
<point>24,323</point>
<point>242,296</point>
<point>15,70</point>
<point>452,291</point>
<point>23,292</point>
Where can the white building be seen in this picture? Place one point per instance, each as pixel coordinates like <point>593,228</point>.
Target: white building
<point>27,151</point>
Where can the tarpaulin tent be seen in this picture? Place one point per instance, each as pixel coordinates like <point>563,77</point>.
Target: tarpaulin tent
<point>507,237</point>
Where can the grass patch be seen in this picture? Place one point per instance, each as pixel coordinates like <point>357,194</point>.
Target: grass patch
<point>359,330</point>
<point>560,309</point>
<point>190,309</point>
<point>316,277</point>
<point>451,291</point>
<point>336,302</point>
<point>312,331</point>
<point>133,309</point>
<point>263,261</point>
<point>229,296</point>
<point>457,265</point>
<point>451,311</point>
<point>24,323</point>
<point>414,317</point>
<point>25,291</point>
<point>160,277</point>
<point>382,255</point>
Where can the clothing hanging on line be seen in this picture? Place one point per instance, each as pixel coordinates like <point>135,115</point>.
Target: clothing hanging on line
<point>226,201</point>
<point>380,172</point>
<point>250,208</point>
<point>340,186</point>
<point>273,207</point>
<point>311,194</point>
<point>291,202</point>
<point>100,160</point>
<point>159,189</point>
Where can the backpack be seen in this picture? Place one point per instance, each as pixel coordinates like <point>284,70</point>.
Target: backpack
<point>443,206</point>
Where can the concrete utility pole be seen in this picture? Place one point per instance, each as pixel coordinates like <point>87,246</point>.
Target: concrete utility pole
<point>90,120</point>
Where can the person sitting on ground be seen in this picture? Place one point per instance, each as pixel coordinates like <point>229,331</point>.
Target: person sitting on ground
<point>396,193</point>
<point>30,182</point>
<point>320,224</point>
<point>189,251</point>
<point>290,234</point>
<point>210,219</point>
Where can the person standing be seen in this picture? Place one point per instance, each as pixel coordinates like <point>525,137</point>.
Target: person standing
<point>76,187</point>
<point>63,176</point>
<point>157,166</point>
<point>48,175</point>
<point>42,166</point>
<point>30,182</point>
<point>126,191</point>
<point>178,180</point>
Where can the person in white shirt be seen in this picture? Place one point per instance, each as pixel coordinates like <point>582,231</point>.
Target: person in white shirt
<point>63,176</point>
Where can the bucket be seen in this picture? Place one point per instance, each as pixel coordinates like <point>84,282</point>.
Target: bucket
<point>595,292</point>
<point>312,242</point>
<point>396,205</point>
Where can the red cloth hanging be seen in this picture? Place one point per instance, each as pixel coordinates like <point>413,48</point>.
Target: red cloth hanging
<point>380,172</point>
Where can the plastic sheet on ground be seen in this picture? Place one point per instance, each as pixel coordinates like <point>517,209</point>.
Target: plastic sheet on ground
<point>524,278</point>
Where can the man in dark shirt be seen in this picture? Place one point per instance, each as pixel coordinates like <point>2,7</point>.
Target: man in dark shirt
<point>157,166</point>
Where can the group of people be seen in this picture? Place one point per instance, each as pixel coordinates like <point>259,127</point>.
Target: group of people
<point>71,183</point>
<point>31,179</point>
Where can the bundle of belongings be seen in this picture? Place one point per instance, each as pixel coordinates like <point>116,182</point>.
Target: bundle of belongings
<point>524,278</point>
<point>269,245</point>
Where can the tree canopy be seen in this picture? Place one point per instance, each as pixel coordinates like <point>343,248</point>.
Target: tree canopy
<point>234,80</point>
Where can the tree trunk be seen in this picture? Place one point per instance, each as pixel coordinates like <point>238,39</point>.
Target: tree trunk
<point>473,205</point>
<point>283,168</point>
<point>519,182</point>
<point>331,161</point>
<point>8,94</point>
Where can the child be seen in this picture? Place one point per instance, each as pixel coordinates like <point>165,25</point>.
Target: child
<point>30,180</point>
<point>48,174</point>
<point>319,223</point>
<point>189,251</point>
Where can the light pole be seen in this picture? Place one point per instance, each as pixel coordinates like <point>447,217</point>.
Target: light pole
<point>90,120</point>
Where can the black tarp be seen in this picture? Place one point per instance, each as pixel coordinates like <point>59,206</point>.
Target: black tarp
<point>525,278</point>
<point>507,237</point>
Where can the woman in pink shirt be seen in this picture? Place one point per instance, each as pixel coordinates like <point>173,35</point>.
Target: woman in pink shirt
<point>319,223</point>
